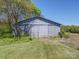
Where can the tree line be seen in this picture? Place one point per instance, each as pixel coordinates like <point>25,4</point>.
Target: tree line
<point>71,28</point>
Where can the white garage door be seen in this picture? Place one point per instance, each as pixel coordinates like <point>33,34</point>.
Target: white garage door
<point>43,31</point>
<point>39,31</point>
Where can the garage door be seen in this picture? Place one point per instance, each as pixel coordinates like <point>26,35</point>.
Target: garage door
<point>43,31</point>
<point>39,31</point>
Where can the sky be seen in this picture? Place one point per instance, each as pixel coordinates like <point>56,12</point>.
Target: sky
<point>65,12</point>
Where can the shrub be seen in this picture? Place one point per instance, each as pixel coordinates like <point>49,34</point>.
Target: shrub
<point>63,34</point>
<point>30,39</point>
<point>4,34</point>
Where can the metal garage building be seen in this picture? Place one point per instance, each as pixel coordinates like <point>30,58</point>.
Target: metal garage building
<point>39,27</point>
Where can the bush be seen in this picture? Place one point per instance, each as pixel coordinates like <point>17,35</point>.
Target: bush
<point>66,35</point>
<point>63,34</point>
<point>4,34</point>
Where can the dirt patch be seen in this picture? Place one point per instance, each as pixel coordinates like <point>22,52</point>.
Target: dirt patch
<point>72,41</point>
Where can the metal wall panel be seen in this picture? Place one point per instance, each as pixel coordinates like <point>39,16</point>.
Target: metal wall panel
<point>39,28</point>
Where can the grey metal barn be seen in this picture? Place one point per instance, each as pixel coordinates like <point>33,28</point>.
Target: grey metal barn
<point>39,27</point>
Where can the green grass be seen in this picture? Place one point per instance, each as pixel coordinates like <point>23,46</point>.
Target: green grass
<point>9,41</point>
<point>38,50</point>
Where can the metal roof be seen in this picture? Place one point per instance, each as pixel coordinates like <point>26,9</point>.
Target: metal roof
<point>40,18</point>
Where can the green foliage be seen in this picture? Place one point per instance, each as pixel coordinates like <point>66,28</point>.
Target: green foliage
<point>28,7</point>
<point>63,34</point>
<point>4,31</point>
<point>4,34</point>
<point>14,9</point>
<point>68,29</point>
<point>9,41</point>
<point>25,6</point>
<point>71,29</point>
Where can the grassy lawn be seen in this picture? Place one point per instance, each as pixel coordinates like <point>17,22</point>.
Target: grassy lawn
<point>37,49</point>
<point>8,41</point>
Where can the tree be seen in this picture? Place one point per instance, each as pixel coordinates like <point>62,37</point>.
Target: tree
<point>14,8</point>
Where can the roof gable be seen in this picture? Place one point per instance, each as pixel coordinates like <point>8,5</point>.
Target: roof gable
<point>40,18</point>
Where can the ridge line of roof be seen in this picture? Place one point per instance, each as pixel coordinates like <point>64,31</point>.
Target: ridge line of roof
<point>49,20</point>
<point>40,17</point>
